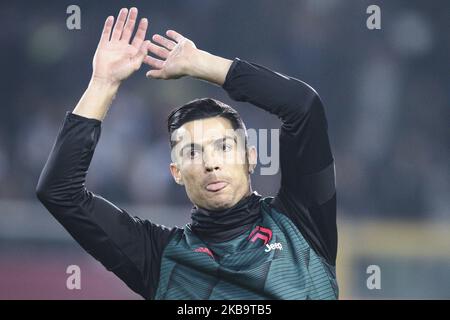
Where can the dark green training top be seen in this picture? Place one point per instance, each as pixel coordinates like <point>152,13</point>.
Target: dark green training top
<point>281,247</point>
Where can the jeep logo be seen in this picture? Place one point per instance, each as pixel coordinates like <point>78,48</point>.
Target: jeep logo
<point>274,246</point>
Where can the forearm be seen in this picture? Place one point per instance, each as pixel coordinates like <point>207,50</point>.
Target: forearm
<point>96,100</point>
<point>284,96</point>
<point>64,174</point>
<point>208,67</point>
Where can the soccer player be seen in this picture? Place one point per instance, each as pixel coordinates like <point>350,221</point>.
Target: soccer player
<point>239,245</point>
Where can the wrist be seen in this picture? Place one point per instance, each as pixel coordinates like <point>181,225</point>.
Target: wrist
<point>194,67</point>
<point>97,99</point>
<point>104,85</point>
<point>206,66</point>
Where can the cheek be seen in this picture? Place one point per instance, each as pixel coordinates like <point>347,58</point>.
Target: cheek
<point>191,176</point>
<point>239,173</point>
<point>236,161</point>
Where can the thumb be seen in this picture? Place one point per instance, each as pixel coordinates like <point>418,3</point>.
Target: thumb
<point>142,53</point>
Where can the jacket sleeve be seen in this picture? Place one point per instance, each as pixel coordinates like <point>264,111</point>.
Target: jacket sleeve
<point>126,245</point>
<point>307,193</point>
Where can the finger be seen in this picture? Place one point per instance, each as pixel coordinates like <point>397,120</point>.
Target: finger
<point>140,33</point>
<point>155,74</point>
<point>143,50</point>
<point>153,62</point>
<point>106,33</point>
<point>174,35</point>
<point>118,28</point>
<point>168,44</point>
<point>129,25</point>
<point>142,53</point>
<point>158,51</point>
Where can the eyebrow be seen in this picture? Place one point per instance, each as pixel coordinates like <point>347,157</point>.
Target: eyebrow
<point>198,146</point>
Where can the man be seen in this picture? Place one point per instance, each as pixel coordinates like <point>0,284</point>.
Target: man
<point>238,245</point>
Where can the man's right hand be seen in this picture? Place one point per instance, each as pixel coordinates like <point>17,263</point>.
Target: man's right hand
<point>116,58</point>
<point>114,61</point>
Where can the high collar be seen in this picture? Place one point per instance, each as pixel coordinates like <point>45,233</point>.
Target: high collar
<point>224,225</point>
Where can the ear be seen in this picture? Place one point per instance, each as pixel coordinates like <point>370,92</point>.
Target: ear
<point>176,174</point>
<point>252,158</point>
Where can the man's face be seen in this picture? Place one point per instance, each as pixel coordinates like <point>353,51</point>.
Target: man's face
<point>210,160</point>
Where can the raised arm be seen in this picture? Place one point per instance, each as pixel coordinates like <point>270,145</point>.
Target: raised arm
<point>307,192</point>
<point>125,245</point>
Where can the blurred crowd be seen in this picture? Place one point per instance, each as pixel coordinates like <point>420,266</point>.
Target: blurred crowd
<point>386,94</point>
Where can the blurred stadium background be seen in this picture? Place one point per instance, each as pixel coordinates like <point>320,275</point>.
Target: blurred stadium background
<point>386,93</point>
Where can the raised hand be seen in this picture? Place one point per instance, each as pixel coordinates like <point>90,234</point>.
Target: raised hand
<point>116,58</point>
<point>175,54</point>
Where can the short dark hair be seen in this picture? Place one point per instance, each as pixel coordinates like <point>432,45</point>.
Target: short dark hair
<point>201,109</point>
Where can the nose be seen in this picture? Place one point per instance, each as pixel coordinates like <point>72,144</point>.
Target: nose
<point>211,162</point>
<point>211,168</point>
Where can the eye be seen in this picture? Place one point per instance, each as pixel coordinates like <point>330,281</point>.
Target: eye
<point>226,147</point>
<point>193,153</point>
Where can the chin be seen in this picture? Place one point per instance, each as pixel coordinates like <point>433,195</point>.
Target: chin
<point>219,202</point>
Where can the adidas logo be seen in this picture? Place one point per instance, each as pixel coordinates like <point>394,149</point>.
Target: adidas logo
<point>205,250</point>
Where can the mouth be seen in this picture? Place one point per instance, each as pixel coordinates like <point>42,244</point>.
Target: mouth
<point>216,186</point>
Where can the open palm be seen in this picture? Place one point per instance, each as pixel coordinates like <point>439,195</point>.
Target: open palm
<point>116,58</point>
<point>174,53</point>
